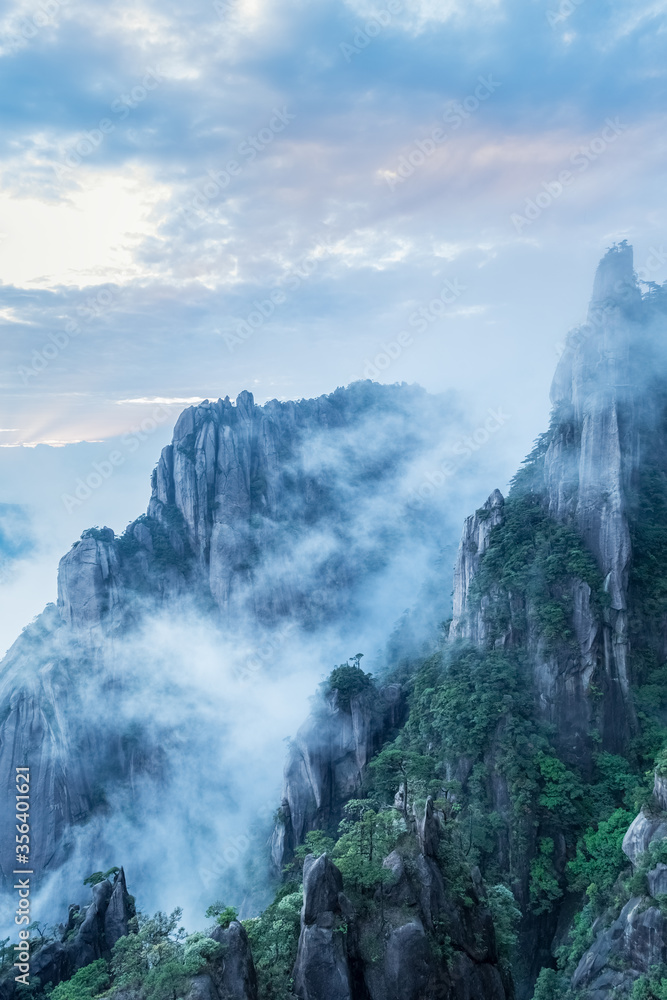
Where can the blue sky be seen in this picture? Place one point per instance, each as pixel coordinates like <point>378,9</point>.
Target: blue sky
<point>132,253</point>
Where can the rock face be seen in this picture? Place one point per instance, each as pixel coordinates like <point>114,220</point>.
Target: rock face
<point>637,940</point>
<point>605,421</point>
<point>468,623</point>
<point>262,519</point>
<point>91,933</point>
<point>609,398</point>
<point>234,976</point>
<point>239,482</point>
<point>87,935</point>
<point>322,967</point>
<point>326,763</point>
<point>391,952</point>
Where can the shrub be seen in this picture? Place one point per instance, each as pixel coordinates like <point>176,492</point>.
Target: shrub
<point>87,983</point>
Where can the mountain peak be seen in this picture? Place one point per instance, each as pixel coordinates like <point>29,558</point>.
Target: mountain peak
<point>615,283</point>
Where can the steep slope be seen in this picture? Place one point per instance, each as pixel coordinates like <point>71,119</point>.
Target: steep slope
<point>608,396</point>
<point>273,534</point>
<point>535,721</point>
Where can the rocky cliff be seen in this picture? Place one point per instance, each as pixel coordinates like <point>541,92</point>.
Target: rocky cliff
<point>326,763</point>
<point>633,943</point>
<point>89,933</point>
<point>608,395</point>
<point>252,506</point>
<point>266,525</point>
<point>415,943</point>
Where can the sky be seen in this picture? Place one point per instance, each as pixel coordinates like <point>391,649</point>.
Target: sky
<point>201,198</point>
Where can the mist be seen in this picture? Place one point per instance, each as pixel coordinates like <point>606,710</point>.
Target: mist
<point>182,715</point>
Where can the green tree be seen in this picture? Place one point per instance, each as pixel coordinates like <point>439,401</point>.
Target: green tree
<point>366,838</point>
<point>544,886</point>
<point>399,764</point>
<point>224,915</point>
<point>85,984</point>
<point>317,843</point>
<point>151,962</point>
<point>98,877</point>
<point>550,985</point>
<point>348,680</point>
<point>274,937</point>
<point>506,916</point>
<point>599,859</point>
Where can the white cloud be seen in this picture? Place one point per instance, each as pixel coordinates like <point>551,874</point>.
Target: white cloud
<point>86,240</point>
<point>417,15</point>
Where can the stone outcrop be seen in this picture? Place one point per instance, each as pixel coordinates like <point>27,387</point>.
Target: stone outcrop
<point>651,823</point>
<point>322,969</point>
<point>238,483</point>
<point>469,622</point>
<point>637,940</point>
<point>233,976</point>
<point>391,952</point>
<point>609,395</point>
<point>326,763</point>
<point>87,935</point>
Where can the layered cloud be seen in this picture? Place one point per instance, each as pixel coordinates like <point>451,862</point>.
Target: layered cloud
<point>237,194</point>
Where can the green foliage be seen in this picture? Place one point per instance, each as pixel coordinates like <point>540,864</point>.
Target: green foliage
<point>87,983</point>
<point>165,553</point>
<point>651,987</point>
<point>533,555</point>
<point>648,601</point>
<point>6,954</point>
<point>545,888</point>
<point>99,534</point>
<point>399,764</point>
<point>506,916</point>
<point>98,877</point>
<point>367,837</point>
<point>599,859</point>
<point>562,789</point>
<point>349,681</point>
<point>152,962</point>
<point>580,937</point>
<point>655,854</point>
<point>316,843</point>
<point>458,702</point>
<point>274,937</point>
<point>551,985</point>
<point>224,915</point>
<point>199,951</point>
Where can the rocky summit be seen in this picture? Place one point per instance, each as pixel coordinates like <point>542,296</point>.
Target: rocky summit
<point>479,814</point>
